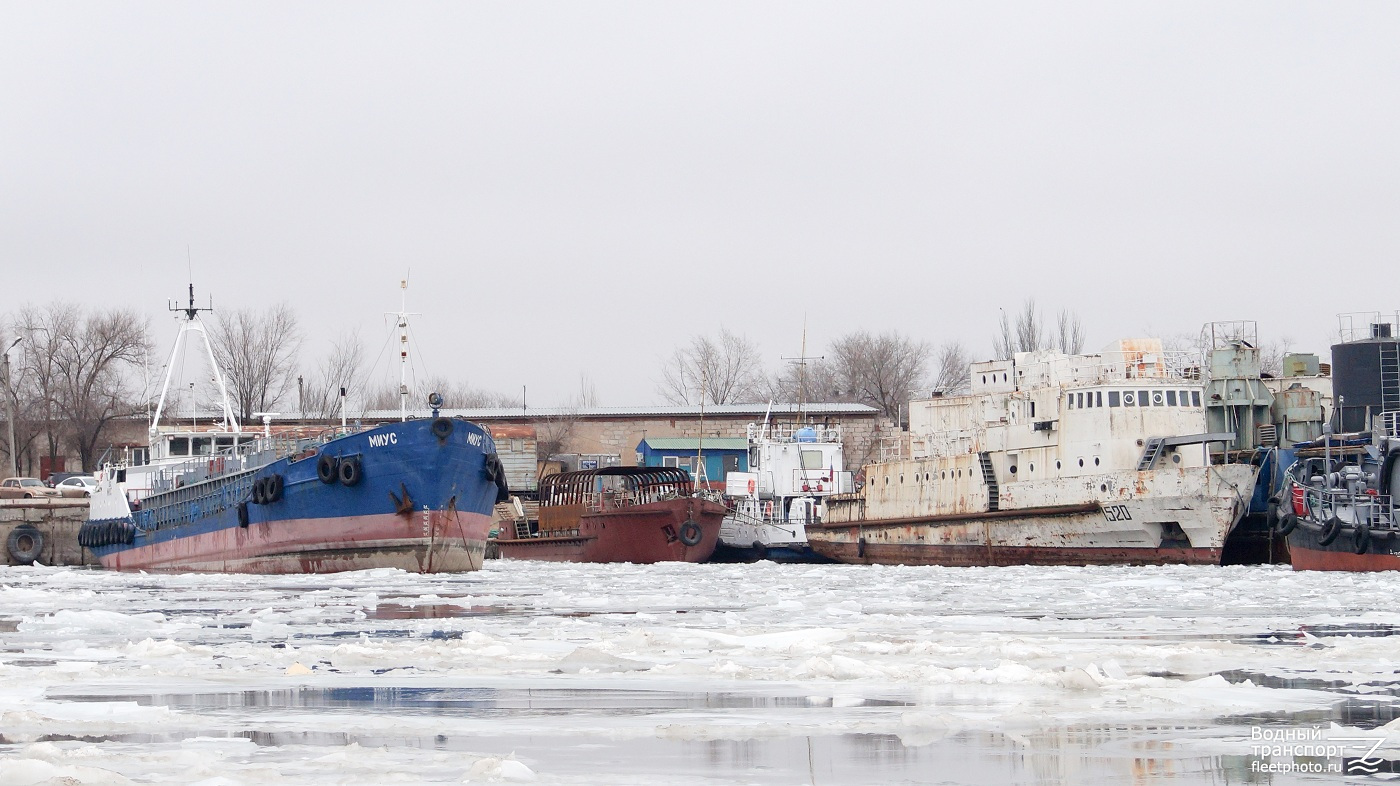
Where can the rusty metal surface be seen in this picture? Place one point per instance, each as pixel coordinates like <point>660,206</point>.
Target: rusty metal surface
<point>639,534</point>
<point>982,556</point>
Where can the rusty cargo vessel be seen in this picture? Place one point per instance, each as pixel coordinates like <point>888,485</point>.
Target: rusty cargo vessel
<point>617,514</point>
<point>1051,459</point>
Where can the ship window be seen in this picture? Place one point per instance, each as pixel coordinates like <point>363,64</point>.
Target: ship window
<point>1032,409</point>
<point>1171,398</point>
<point>1096,461</point>
<point>1081,462</point>
<point>200,446</point>
<point>1113,398</point>
<point>811,459</point>
<point>1071,401</point>
<point>1032,467</point>
<point>943,475</point>
<point>1057,463</point>
<point>984,379</point>
<point>1195,398</point>
<point>1176,458</point>
<point>1142,398</point>
<point>180,446</point>
<point>1157,398</point>
<point>1129,398</point>
<point>901,478</point>
<point>1098,398</point>
<point>223,443</point>
<point>1011,469</point>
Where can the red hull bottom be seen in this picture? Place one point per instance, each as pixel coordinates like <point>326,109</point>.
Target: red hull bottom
<point>422,542</point>
<point>982,555</point>
<point>642,534</point>
<point>1315,559</point>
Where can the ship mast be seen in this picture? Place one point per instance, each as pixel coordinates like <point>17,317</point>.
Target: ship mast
<point>402,317</point>
<point>192,322</point>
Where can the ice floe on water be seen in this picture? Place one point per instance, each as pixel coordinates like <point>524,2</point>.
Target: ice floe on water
<point>548,673</point>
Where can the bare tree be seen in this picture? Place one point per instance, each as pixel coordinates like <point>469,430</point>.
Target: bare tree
<point>1069,333</point>
<point>342,368</point>
<point>94,366</point>
<point>1023,333</point>
<point>36,387</point>
<point>881,370</point>
<point>951,375</point>
<point>1271,355</point>
<point>812,379</point>
<point>728,370</point>
<point>257,351</point>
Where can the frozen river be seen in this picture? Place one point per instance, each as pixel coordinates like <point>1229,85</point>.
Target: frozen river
<point>681,674</point>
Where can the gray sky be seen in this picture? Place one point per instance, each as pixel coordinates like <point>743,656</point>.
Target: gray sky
<point>579,187</point>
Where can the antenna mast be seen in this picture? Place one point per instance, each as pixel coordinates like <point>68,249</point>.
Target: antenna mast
<point>192,322</point>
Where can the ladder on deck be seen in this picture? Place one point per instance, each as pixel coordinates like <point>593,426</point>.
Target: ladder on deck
<point>1151,453</point>
<point>989,476</point>
<point>1390,376</point>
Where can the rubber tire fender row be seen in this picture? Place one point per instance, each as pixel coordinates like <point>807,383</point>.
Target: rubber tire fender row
<point>258,487</point>
<point>273,486</point>
<point>1330,530</point>
<point>25,544</point>
<point>328,468</point>
<point>350,471</point>
<point>690,533</point>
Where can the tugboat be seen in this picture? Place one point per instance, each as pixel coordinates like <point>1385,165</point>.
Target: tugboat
<point>1052,459</point>
<point>416,495</point>
<point>792,470</point>
<point>1338,509</point>
<point>617,514</point>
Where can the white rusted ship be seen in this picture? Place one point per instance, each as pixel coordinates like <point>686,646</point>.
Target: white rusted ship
<point>1052,459</point>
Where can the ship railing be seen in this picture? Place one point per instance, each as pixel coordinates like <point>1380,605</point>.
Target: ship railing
<point>787,432</point>
<point>1165,365</point>
<point>1374,510</point>
<point>1388,424</point>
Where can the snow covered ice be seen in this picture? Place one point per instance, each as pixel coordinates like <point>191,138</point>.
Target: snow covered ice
<point>677,673</point>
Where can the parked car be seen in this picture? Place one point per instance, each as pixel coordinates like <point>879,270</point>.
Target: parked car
<point>76,486</point>
<point>26,488</point>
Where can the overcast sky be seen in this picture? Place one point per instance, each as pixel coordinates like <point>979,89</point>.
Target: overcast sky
<point>580,187</point>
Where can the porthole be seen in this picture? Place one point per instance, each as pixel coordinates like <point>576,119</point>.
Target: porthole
<point>1012,469</point>
<point>901,477</point>
<point>1103,487</point>
<point>1032,467</point>
<point>984,379</point>
<point>1081,462</point>
<point>925,477</point>
<point>887,480</point>
<point>1096,461</point>
<point>1176,458</point>
<point>943,475</point>
<point>1057,463</point>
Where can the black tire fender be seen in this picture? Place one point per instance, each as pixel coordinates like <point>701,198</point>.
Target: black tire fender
<point>350,471</point>
<point>25,544</point>
<point>442,428</point>
<point>1330,530</point>
<point>272,488</point>
<point>1287,522</point>
<point>243,514</point>
<point>760,551</point>
<point>258,491</point>
<point>1361,541</point>
<point>327,468</point>
<point>691,533</point>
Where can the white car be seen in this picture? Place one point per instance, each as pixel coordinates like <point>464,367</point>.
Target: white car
<point>77,486</point>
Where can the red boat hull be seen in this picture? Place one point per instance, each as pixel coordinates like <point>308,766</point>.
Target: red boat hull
<point>641,534</point>
<point>421,542</point>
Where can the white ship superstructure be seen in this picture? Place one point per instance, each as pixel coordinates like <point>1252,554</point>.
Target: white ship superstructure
<point>1051,458</point>
<point>792,470</point>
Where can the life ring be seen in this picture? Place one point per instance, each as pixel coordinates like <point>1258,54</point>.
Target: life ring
<point>753,486</point>
<point>243,514</point>
<point>1287,522</point>
<point>350,472</point>
<point>1330,531</point>
<point>272,488</point>
<point>327,468</point>
<point>442,428</point>
<point>25,544</point>
<point>1361,542</point>
<point>691,533</point>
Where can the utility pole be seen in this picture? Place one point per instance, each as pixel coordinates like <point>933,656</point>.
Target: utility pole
<point>10,407</point>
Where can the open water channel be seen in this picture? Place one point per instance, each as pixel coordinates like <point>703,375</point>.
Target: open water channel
<point>700,674</point>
